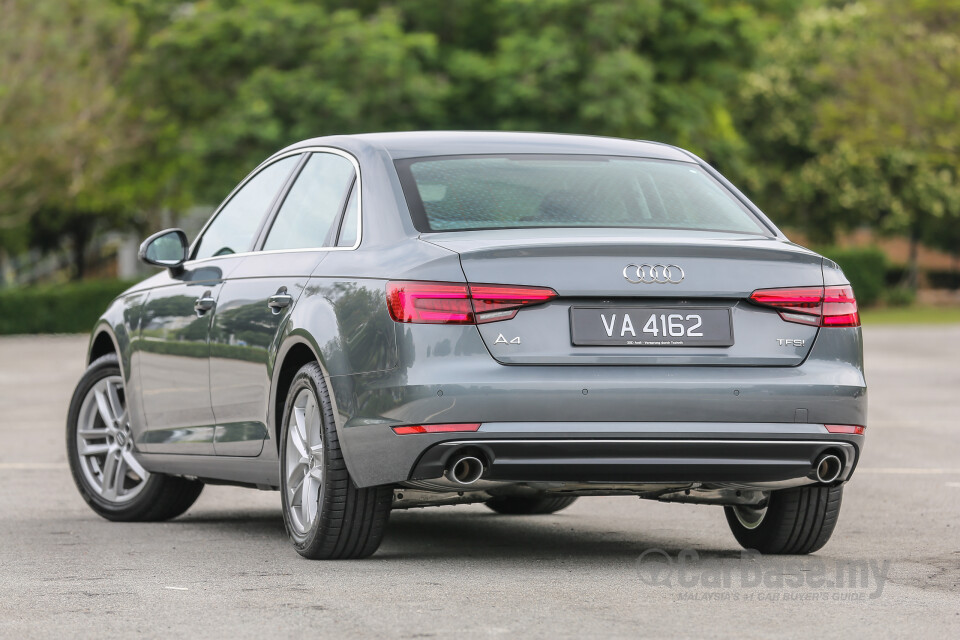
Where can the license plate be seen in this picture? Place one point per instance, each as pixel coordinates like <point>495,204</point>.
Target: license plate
<point>651,327</point>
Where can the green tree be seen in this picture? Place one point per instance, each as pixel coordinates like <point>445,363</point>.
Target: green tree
<point>231,81</point>
<point>65,129</point>
<point>664,70</point>
<point>852,117</point>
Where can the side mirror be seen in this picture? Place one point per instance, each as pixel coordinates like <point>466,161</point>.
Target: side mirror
<point>166,249</point>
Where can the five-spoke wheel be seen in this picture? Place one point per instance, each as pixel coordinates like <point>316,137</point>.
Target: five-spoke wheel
<point>102,453</point>
<point>105,444</point>
<point>326,515</point>
<point>304,460</point>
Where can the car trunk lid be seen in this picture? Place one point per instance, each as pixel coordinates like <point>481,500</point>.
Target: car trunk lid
<point>609,284</point>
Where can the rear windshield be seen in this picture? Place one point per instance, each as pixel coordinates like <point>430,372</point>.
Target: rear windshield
<point>463,193</point>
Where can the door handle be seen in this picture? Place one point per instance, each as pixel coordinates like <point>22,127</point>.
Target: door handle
<point>204,304</point>
<point>279,300</point>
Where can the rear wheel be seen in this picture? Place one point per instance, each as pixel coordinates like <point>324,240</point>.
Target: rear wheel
<point>794,521</point>
<point>523,505</point>
<point>100,449</point>
<point>326,515</point>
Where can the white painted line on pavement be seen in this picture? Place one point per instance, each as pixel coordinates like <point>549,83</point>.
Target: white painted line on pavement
<point>32,466</point>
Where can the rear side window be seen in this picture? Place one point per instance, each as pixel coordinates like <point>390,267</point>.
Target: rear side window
<point>460,193</point>
<point>313,204</point>
<point>238,221</point>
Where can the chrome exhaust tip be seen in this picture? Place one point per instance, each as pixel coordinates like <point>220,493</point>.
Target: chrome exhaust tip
<point>465,470</point>
<point>828,468</point>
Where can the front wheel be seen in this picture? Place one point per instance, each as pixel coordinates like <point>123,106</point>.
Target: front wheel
<point>794,521</point>
<point>326,515</point>
<point>100,449</point>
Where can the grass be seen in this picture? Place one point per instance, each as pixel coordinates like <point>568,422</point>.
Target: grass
<point>911,315</point>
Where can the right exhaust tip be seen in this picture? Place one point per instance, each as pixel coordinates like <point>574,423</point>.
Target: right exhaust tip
<point>828,468</point>
<point>465,470</point>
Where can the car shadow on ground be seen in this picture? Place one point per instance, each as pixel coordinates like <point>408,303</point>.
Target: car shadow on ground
<point>438,534</point>
<point>494,536</point>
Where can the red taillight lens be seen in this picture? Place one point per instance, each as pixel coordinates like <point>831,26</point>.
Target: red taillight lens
<point>493,302</point>
<point>454,303</point>
<point>411,429</point>
<point>429,302</point>
<point>840,307</point>
<point>817,306</point>
<point>845,428</point>
<point>802,305</point>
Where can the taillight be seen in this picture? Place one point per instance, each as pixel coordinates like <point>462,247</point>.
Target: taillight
<point>840,307</point>
<point>411,429</point>
<point>455,303</point>
<point>429,302</point>
<point>854,429</point>
<point>493,302</point>
<point>817,306</point>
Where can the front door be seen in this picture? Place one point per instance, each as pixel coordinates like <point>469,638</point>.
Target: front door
<point>175,332</point>
<point>174,362</point>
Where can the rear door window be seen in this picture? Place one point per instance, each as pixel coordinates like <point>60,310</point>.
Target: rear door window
<point>313,204</point>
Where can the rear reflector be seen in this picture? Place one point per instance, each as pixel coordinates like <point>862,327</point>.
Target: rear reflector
<point>407,430</point>
<point>845,428</point>
<point>817,306</point>
<point>460,303</point>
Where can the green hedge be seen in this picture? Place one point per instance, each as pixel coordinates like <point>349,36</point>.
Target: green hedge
<point>865,268</point>
<point>67,308</point>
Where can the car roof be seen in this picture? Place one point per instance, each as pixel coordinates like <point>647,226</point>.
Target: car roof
<point>415,144</point>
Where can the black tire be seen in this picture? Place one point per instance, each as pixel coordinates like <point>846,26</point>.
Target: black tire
<point>161,498</point>
<point>349,522</point>
<point>797,521</point>
<point>529,506</point>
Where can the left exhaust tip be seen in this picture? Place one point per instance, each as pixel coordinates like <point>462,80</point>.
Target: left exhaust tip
<point>465,470</point>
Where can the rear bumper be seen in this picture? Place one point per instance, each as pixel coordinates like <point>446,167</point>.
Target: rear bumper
<point>752,463</point>
<point>611,405</point>
<point>754,455</point>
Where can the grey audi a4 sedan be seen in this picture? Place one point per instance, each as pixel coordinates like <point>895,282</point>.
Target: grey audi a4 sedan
<point>385,321</point>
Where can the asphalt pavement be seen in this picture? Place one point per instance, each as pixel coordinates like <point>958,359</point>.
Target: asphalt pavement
<point>606,567</point>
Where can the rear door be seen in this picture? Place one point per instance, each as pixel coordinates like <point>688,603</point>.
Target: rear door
<point>257,299</point>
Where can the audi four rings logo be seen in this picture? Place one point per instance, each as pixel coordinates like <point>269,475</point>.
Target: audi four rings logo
<point>653,273</point>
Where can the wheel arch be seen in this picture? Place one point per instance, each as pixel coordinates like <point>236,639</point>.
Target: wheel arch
<point>296,351</point>
<point>102,342</point>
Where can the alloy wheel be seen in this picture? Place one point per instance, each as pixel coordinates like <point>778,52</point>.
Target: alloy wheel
<point>104,443</point>
<point>304,461</point>
<point>749,516</point>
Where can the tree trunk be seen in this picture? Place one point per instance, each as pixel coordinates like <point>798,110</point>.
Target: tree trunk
<point>81,237</point>
<point>913,268</point>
